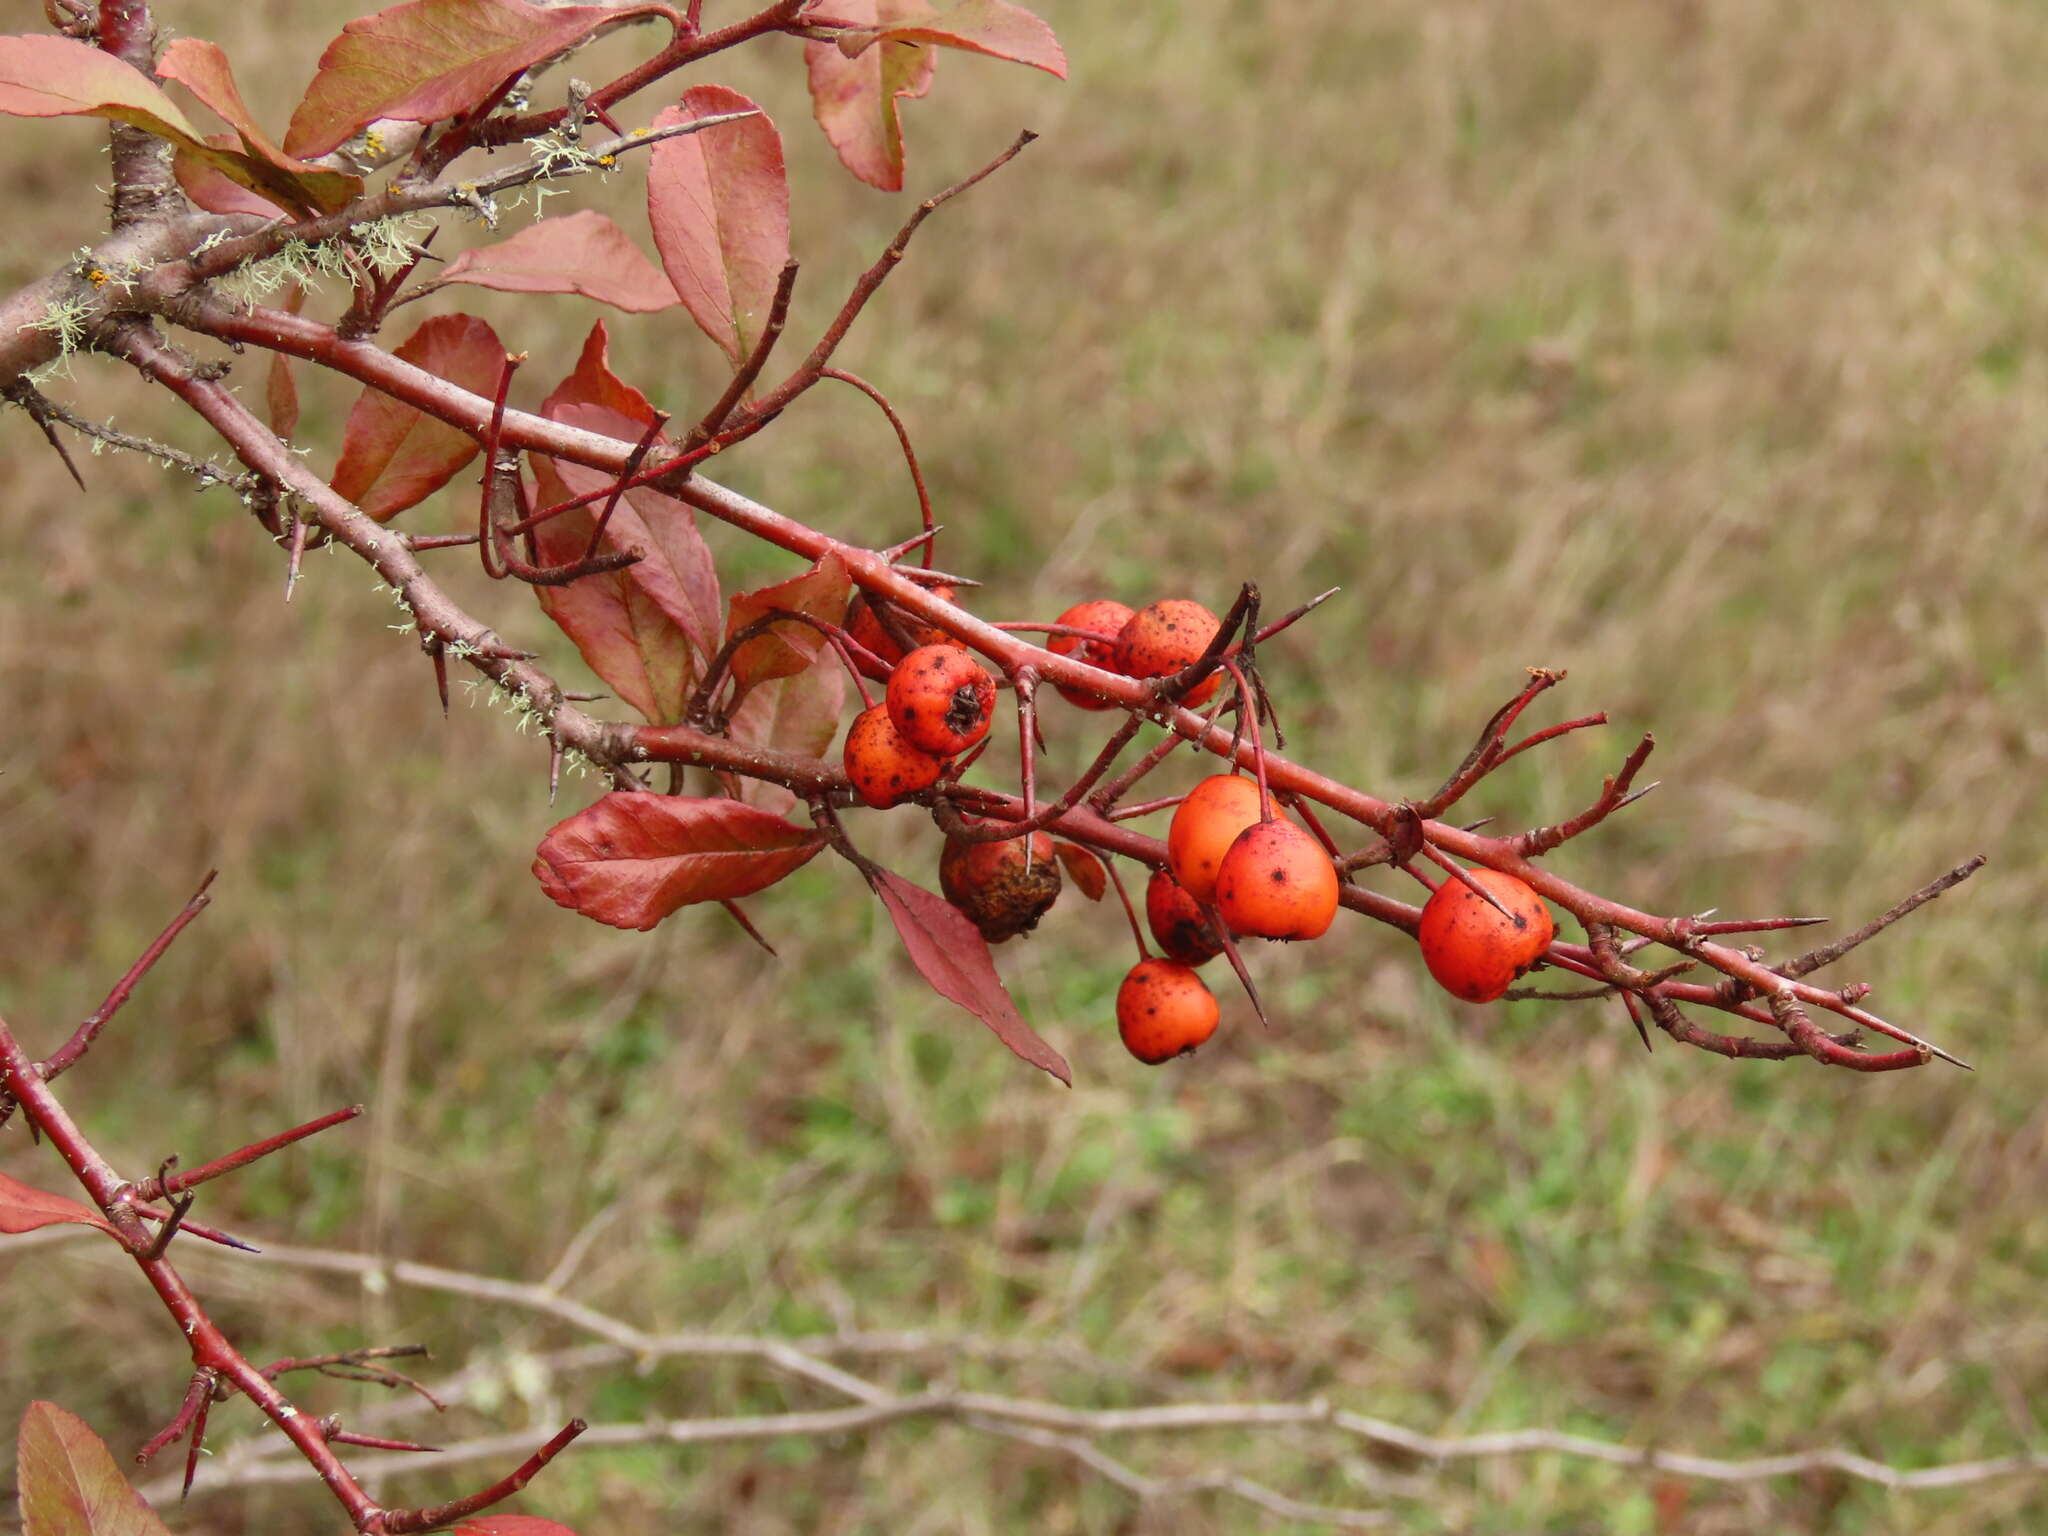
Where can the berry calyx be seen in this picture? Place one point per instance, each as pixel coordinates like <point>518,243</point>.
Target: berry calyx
<point>867,630</point>
<point>1105,616</point>
<point>885,769</point>
<point>1178,923</point>
<point>1472,949</point>
<point>941,700</point>
<point>990,883</point>
<point>1163,1010</point>
<point>1277,882</point>
<point>1162,637</point>
<point>1205,824</point>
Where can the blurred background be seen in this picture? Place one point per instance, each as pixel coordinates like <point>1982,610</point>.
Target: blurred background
<point>1696,348</point>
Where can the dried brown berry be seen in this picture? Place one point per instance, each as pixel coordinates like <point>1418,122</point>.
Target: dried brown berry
<point>990,883</point>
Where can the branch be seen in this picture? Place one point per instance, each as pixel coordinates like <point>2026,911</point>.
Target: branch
<point>875,1407</point>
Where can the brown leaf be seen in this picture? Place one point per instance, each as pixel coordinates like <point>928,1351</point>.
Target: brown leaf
<point>632,858</point>
<point>718,201</point>
<point>511,1525</point>
<point>394,456</point>
<point>954,959</point>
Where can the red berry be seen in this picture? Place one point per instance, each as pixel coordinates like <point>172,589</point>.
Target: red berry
<point>1472,949</point>
<point>1164,1011</point>
<point>1163,637</point>
<point>988,881</point>
<point>1205,824</point>
<point>1277,882</point>
<point>867,630</point>
<point>1106,617</point>
<point>941,699</point>
<point>886,769</point>
<point>1178,922</point>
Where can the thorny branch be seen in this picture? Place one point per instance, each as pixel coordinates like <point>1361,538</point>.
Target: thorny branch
<point>166,260</point>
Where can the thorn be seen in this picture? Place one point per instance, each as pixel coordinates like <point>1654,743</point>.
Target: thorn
<point>554,769</point>
<point>1636,1019</point>
<point>439,652</point>
<point>1222,931</point>
<point>300,528</point>
<point>1628,800</point>
<point>745,923</point>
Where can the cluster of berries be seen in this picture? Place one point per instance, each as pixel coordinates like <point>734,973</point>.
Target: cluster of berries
<point>1235,864</point>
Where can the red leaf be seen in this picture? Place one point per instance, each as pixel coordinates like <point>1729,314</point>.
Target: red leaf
<point>1083,868</point>
<point>431,59</point>
<point>511,1525</point>
<point>633,858</point>
<point>788,648</point>
<point>593,383</point>
<point>675,568</point>
<point>641,653</point>
<point>23,1209</point>
<point>583,253</point>
<point>951,955</point>
<point>854,99</point>
<point>719,204</point>
<point>991,27</point>
<point>61,77</point>
<point>203,70</point>
<point>792,714</point>
<point>281,386</point>
<point>69,1483</point>
<point>394,456</point>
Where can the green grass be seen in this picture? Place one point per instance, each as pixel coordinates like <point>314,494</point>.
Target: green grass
<point>1691,348</point>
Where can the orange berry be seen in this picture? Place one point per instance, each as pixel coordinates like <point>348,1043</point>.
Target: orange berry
<point>941,699</point>
<point>1161,638</point>
<point>1164,1011</point>
<point>865,628</point>
<point>1277,882</point>
<point>1178,922</point>
<point>1205,824</point>
<point>988,881</point>
<point>886,769</point>
<point>1105,616</point>
<point>1470,948</point>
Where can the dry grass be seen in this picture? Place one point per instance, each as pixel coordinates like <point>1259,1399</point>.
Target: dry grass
<point>1692,347</point>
